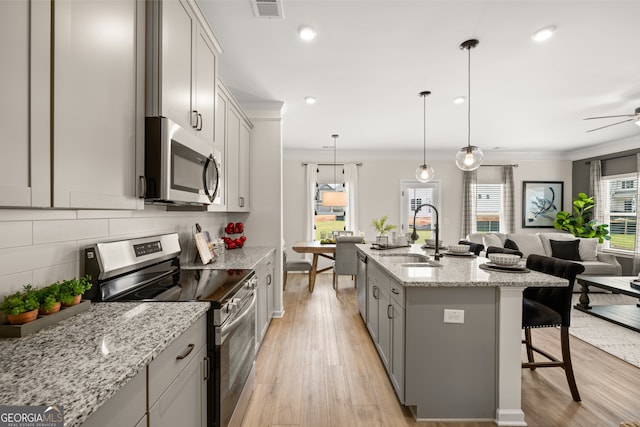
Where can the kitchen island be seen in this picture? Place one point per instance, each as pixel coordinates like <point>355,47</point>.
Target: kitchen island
<point>449,332</point>
<point>82,362</point>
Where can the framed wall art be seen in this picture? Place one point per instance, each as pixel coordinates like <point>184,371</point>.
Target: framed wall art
<point>541,201</point>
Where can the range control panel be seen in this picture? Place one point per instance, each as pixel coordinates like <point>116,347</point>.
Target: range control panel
<point>147,248</point>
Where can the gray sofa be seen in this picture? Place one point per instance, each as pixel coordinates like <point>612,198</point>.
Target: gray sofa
<point>595,263</point>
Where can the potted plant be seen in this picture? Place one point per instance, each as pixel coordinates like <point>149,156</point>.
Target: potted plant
<point>22,306</point>
<point>49,298</point>
<point>381,225</point>
<point>580,222</point>
<point>71,290</point>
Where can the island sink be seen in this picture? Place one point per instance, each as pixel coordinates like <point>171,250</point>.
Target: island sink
<point>409,260</point>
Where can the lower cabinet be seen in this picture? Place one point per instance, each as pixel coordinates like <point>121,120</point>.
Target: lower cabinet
<point>265,272</point>
<point>386,324</point>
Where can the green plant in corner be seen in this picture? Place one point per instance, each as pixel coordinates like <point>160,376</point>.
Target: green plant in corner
<point>71,288</point>
<point>20,302</point>
<point>381,225</point>
<point>580,222</point>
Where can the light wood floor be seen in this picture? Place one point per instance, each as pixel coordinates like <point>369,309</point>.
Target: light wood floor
<point>318,367</point>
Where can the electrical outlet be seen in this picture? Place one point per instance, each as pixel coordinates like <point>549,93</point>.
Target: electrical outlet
<point>453,316</point>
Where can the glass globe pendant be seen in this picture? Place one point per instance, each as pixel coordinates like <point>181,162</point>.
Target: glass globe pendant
<point>424,172</point>
<point>470,157</point>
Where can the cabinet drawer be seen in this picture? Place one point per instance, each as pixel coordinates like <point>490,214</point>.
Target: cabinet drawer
<point>165,368</point>
<point>397,292</point>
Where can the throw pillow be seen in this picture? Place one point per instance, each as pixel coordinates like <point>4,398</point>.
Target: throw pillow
<point>510,244</point>
<point>589,249</point>
<point>565,249</point>
<point>491,240</point>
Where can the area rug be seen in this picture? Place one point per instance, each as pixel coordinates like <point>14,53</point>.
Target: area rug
<point>621,342</point>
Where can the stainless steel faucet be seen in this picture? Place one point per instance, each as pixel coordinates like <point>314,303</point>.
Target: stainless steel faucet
<point>414,235</point>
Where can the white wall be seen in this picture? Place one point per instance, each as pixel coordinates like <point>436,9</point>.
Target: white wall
<point>380,191</point>
<point>41,246</point>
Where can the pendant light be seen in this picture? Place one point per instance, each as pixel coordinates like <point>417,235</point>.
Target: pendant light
<point>470,157</point>
<point>425,172</point>
<point>335,198</point>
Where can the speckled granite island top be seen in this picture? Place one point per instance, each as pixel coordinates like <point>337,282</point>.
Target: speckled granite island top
<point>83,361</point>
<point>454,271</point>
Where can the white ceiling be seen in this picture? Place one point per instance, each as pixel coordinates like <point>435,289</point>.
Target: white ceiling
<point>372,58</point>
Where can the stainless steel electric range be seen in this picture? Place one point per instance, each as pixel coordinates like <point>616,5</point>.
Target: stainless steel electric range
<point>148,269</point>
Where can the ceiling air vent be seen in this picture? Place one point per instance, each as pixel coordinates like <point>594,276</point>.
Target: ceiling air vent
<point>267,8</point>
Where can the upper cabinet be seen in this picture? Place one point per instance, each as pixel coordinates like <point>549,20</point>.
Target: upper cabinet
<point>98,103</point>
<point>182,66</point>
<point>25,172</point>
<point>237,134</point>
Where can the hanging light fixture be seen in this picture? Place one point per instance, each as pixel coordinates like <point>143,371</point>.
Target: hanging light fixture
<point>335,198</point>
<point>470,157</point>
<point>425,172</point>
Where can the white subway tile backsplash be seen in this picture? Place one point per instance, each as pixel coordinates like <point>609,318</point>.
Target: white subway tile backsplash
<point>35,214</point>
<point>125,226</point>
<point>28,258</point>
<point>11,283</point>
<point>64,231</point>
<point>91,214</point>
<point>55,273</point>
<point>17,233</point>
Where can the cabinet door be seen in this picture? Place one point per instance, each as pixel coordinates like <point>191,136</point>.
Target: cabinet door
<point>270,271</point>
<point>184,403</point>
<point>233,158</point>
<point>396,367</point>
<point>205,87</point>
<point>372,308</point>
<point>176,64</point>
<point>384,327</point>
<point>98,98</point>
<point>244,167</point>
<point>261,309</point>
<point>222,103</point>
<point>25,174</point>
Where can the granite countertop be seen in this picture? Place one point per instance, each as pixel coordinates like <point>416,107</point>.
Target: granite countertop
<point>83,361</point>
<point>455,271</point>
<point>243,258</point>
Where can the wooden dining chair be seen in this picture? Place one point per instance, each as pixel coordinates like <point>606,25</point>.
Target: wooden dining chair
<point>550,307</point>
<point>346,258</point>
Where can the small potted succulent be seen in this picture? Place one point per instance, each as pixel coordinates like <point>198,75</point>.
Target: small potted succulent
<point>49,298</point>
<point>21,307</point>
<point>71,290</point>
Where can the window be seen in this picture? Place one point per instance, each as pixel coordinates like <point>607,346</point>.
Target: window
<point>620,212</point>
<point>328,219</point>
<point>488,207</point>
<point>414,194</point>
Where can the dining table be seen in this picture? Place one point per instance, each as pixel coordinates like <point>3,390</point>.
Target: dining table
<point>317,249</point>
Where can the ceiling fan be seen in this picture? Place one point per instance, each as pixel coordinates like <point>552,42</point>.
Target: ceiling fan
<point>632,117</point>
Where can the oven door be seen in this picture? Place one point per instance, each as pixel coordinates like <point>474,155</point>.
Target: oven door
<point>179,167</point>
<point>233,359</point>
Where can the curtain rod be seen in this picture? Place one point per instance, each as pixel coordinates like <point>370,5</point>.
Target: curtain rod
<point>588,162</point>
<point>515,165</point>
<point>330,164</point>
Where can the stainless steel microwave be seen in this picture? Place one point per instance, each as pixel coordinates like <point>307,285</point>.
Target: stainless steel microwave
<point>180,168</point>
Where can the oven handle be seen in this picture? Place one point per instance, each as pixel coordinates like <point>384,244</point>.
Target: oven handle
<point>225,330</point>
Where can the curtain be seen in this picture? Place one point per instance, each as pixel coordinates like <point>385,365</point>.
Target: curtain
<point>636,252</point>
<point>508,206</point>
<point>351,186</point>
<point>469,180</point>
<point>310,205</point>
<point>596,190</point>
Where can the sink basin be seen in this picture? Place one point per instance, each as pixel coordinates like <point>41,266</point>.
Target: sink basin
<point>405,258</point>
<point>422,264</point>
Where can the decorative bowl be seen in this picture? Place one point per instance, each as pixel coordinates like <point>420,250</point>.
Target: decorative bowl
<point>432,242</point>
<point>459,249</point>
<point>504,259</point>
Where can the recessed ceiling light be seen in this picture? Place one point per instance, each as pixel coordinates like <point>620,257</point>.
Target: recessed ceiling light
<point>543,33</point>
<point>309,100</point>
<point>459,100</point>
<point>307,33</point>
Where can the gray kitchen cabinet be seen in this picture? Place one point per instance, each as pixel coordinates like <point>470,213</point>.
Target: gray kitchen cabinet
<point>127,408</point>
<point>182,55</point>
<point>25,173</point>
<point>221,108</point>
<point>386,323</point>
<point>178,381</point>
<point>265,273</point>
<point>237,131</point>
<point>98,111</point>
